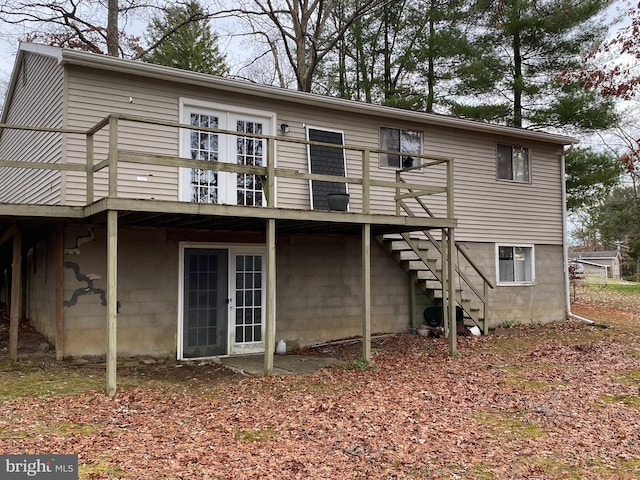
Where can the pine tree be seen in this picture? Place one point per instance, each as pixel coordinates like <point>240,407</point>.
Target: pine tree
<point>184,40</point>
<point>514,75</point>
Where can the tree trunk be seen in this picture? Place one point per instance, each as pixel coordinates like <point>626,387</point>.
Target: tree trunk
<point>112,29</point>
<point>431,74</point>
<point>518,81</point>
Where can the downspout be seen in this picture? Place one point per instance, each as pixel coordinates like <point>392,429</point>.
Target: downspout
<point>565,248</point>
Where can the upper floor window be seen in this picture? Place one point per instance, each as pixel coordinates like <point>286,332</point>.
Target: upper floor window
<point>398,140</point>
<point>513,163</point>
<point>515,264</point>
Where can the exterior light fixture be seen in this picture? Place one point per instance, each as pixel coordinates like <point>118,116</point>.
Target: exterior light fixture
<point>284,128</point>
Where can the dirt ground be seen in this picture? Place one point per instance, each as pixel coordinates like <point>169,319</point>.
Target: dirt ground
<point>530,402</point>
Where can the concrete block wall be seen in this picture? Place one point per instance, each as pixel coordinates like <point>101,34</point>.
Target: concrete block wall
<point>542,302</point>
<point>147,292</point>
<point>319,289</point>
<point>40,289</point>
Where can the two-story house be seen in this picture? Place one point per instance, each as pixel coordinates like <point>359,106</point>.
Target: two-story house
<point>195,210</point>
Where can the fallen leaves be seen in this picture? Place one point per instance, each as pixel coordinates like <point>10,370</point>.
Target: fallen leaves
<point>555,401</point>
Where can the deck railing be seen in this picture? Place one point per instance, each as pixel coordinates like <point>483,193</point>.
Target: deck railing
<point>112,126</point>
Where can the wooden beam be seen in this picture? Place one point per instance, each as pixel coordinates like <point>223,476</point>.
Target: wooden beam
<point>112,299</point>
<point>366,293</point>
<point>16,295</point>
<point>112,186</point>
<point>89,168</point>
<point>270,325</point>
<point>59,292</point>
<point>8,234</point>
<point>163,206</point>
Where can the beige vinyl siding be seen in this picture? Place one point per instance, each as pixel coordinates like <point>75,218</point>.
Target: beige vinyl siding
<point>503,211</point>
<point>37,101</point>
<point>487,209</point>
<point>94,95</point>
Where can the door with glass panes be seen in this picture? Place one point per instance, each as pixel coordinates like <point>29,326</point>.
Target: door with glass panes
<point>223,301</point>
<point>209,186</point>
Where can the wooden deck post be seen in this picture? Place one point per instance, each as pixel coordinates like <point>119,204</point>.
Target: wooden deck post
<point>112,299</point>
<point>59,292</point>
<point>413,304</point>
<point>16,295</point>
<point>451,275</point>
<point>270,326</point>
<point>451,266</point>
<point>366,283</point>
<point>445,282</point>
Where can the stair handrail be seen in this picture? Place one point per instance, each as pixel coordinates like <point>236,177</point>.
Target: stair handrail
<point>483,297</point>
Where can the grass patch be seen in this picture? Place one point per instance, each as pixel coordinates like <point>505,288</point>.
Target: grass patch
<point>262,435</point>
<point>482,472</point>
<point>628,400</point>
<point>30,381</point>
<point>359,363</point>
<point>99,470</point>
<point>508,427</point>
<point>528,384</point>
<point>631,377</point>
<point>629,288</point>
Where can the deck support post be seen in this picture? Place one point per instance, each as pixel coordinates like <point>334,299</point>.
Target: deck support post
<point>413,303</point>
<point>451,294</point>
<point>445,282</point>
<point>16,295</point>
<point>366,293</point>
<point>112,300</point>
<point>59,292</point>
<point>270,326</point>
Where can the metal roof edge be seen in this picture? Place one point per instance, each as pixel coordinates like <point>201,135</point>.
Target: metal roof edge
<point>120,65</point>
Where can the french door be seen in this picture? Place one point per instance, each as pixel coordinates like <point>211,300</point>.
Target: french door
<point>205,313</point>
<point>207,186</point>
<point>223,301</point>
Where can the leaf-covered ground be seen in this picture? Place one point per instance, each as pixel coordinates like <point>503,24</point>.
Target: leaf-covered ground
<point>538,402</point>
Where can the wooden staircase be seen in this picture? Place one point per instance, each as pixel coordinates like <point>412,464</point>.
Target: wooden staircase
<point>420,255</point>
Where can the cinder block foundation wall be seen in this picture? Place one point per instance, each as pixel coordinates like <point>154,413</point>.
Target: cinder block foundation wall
<point>40,288</point>
<point>319,289</point>
<point>147,292</point>
<point>542,302</point>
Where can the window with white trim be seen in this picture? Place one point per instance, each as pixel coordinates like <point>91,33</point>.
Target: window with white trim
<point>512,163</point>
<point>515,264</point>
<point>399,140</point>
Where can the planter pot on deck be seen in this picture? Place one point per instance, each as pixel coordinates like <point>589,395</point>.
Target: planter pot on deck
<point>338,201</point>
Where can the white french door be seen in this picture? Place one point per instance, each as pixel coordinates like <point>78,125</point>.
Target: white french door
<point>247,302</point>
<point>207,186</point>
<point>223,300</point>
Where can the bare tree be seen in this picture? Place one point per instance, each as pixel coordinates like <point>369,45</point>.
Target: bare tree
<point>98,27</point>
<point>301,30</point>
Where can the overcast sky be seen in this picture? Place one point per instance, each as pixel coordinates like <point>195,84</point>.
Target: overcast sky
<point>10,36</point>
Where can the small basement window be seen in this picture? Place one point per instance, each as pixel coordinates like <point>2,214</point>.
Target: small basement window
<point>512,163</point>
<point>515,264</point>
<point>398,140</point>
